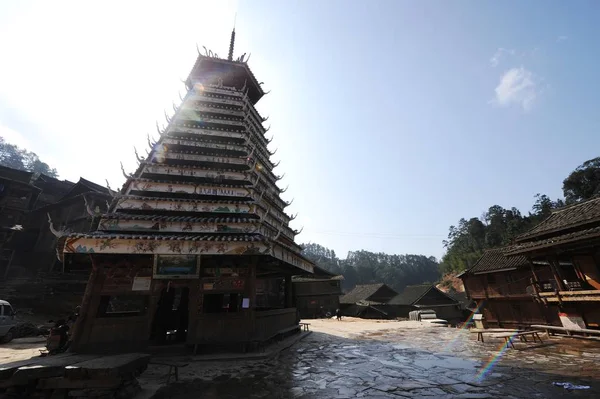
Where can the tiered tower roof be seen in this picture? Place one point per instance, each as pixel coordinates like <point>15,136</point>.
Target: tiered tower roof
<point>207,185</point>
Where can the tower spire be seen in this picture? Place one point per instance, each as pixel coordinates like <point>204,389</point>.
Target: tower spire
<point>232,40</point>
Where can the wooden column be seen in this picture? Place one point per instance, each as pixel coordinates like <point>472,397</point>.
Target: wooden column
<point>555,267</point>
<point>578,272</point>
<point>85,309</point>
<point>252,282</point>
<point>289,297</point>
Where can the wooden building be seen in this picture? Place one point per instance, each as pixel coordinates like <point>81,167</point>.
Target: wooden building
<point>196,249</point>
<point>500,287</point>
<point>568,244</point>
<point>427,296</point>
<point>367,301</point>
<point>32,277</point>
<point>17,197</point>
<point>550,275</point>
<point>317,296</point>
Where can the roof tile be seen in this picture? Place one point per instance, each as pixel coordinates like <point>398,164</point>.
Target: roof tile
<point>495,259</point>
<point>564,218</point>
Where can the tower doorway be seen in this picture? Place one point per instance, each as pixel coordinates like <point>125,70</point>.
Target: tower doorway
<point>170,322</point>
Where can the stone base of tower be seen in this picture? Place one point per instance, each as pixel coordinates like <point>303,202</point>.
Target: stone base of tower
<point>133,302</point>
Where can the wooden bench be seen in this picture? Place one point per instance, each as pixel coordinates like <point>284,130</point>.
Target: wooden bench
<point>522,336</point>
<point>305,326</point>
<point>480,332</point>
<point>568,331</point>
<point>173,368</point>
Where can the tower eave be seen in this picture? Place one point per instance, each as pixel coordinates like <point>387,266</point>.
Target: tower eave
<point>234,74</point>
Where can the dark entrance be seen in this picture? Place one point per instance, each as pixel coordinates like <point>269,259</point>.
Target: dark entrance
<point>170,323</point>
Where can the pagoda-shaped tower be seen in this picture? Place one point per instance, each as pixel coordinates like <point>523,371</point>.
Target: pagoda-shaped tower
<point>196,248</point>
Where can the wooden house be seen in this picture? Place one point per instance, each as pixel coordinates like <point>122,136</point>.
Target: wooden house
<point>499,285</point>
<point>550,275</point>
<point>197,248</point>
<point>17,198</point>
<point>427,296</point>
<point>317,296</point>
<point>32,275</point>
<point>568,244</point>
<point>367,301</point>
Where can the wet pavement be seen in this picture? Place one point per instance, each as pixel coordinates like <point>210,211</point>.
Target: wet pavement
<point>396,363</point>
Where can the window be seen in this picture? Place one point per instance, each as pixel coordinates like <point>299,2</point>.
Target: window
<point>6,310</point>
<point>221,303</point>
<point>123,306</point>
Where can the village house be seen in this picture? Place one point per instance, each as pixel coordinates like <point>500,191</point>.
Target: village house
<point>317,296</point>
<point>500,286</point>
<point>550,275</point>
<point>33,276</point>
<point>568,244</point>
<point>427,296</point>
<point>367,301</point>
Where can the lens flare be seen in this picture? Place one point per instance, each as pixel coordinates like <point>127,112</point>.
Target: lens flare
<point>465,325</point>
<point>494,359</point>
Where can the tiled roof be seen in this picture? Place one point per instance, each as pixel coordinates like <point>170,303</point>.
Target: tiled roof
<point>243,200</point>
<point>170,237</point>
<point>413,293</point>
<point>495,259</point>
<point>530,246</point>
<point>410,295</point>
<point>187,183</point>
<point>124,216</point>
<point>303,279</point>
<point>360,293</point>
<point>567,217</point>
<point>15,174</point>
<point>93,186</point>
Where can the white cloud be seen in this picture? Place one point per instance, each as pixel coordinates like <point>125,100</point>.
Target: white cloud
<point>517,87</point>
<point>499,54</point>
<point>561,38</point>
<point>13,137</point>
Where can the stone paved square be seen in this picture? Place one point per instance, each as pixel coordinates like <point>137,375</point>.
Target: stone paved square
<point>396,360</point>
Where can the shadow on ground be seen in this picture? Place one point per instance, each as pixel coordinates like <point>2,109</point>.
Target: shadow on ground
<point>326,366</point>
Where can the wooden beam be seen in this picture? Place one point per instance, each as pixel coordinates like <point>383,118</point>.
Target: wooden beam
<point>587,298</point>
<point>84,310</point>
<point>554,266</point>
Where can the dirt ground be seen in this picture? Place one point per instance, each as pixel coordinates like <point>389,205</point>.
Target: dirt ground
<point>21,349</point>
<point>352,327</point>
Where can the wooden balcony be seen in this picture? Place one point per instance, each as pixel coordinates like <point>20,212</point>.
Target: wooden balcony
<point>571,296</point>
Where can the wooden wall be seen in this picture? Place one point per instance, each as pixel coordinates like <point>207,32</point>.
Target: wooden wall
<point>101,332</point>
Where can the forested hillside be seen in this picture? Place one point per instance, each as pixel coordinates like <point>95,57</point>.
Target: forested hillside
<point>364,267</point>
<point>21,159</point>
<point>499,226</point>
<point>466,241</point>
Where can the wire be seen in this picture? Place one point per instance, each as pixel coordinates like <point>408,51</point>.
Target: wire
<point>378,235</point>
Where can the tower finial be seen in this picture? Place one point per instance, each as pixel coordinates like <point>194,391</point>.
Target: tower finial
<point>232,40</point>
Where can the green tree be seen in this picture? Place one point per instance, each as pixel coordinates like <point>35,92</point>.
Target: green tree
<point>365,267</point>
<point>583,183</point>
<point>542,208</point>
<point>21,159</point>
<point>323,257</point>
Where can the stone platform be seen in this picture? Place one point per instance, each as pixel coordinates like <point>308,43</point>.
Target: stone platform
<point>72,375</point>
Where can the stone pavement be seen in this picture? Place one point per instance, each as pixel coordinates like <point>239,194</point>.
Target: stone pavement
<point>430,362</point>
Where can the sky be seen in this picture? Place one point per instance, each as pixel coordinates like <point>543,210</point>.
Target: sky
<point>392,119</point>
